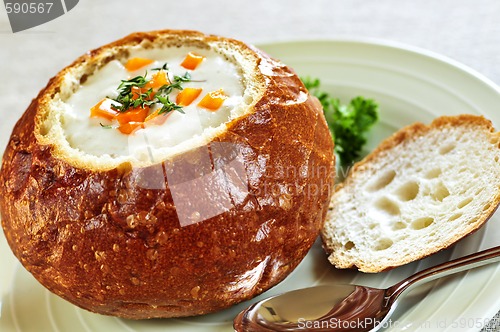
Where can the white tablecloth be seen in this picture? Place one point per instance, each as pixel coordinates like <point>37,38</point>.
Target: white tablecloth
<point>467,31</point>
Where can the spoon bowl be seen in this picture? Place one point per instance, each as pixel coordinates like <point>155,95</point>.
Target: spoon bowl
<point>338,307</point>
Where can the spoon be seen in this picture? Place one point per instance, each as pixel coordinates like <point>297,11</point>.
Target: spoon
<point>345,307</point>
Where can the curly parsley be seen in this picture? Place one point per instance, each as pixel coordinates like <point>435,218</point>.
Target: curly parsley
<point>348,123</point>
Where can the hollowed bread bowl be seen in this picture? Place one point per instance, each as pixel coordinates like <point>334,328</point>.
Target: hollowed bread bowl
<point>181,226</point>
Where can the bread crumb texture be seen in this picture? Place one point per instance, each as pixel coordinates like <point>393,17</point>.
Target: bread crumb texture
<point>420,191</point>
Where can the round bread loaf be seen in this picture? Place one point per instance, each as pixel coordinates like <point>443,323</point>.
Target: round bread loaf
<point>177,226</point>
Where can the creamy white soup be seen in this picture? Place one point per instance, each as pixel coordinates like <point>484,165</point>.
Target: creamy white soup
<point>205,89</point>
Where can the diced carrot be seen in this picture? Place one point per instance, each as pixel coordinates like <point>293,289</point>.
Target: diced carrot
<point>187,96</point>
<point>213,100</point>
<point>158,80</point>
<point>130,127</point>
<point>137,63</point>
<point>137,114</point>
<point>156,118</point>
<point>192,60</point>
<point>103,110</point>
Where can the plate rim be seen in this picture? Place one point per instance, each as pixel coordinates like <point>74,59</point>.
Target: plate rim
<point>390,44</point>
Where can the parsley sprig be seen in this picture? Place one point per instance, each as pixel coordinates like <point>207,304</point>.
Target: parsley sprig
<point>348,123</point>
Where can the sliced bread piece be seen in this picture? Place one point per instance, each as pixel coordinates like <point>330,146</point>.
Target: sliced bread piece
<point>423,189</point>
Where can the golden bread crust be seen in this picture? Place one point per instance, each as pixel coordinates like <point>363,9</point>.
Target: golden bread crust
<point>105,243</point>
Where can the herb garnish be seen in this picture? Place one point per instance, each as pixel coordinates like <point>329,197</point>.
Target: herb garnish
<point>168,106</point>
<point>125,95</point>
<point>105,126</point>
<point>164,67</point>
<point>128,99</point>
<point>176,84</point>
<point>348,123</point>
<point>184,78</point>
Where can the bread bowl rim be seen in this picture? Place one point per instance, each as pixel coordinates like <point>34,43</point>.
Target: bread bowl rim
<point>48,130</point>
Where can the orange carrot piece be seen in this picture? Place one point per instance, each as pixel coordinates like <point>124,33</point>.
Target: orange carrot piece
<point>212,101</point>
<point>137,114</point>
<point>134,64</point>
<point>103,110</point>
<point>192,60</point>
<point>158,80</point>
<point>130,127</point>
<point>187,96</point>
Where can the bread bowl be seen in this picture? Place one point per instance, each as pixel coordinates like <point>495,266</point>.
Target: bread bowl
<point>191,225</point>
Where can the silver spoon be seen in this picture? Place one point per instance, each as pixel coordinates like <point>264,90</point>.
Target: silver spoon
<point>345,307</point>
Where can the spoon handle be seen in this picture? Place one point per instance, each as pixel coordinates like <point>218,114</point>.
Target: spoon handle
<point>481,258</point>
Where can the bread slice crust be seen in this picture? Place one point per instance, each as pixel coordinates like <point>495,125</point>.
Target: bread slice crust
<point>387,232</point>
<point>90,234</point>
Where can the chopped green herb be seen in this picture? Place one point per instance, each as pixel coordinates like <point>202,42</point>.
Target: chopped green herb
<point>183,79</point>
<point>348,123</point>
<point>126,86</point>
<point>168,106</point>
<point>177,84</point>
<point>125,96</point>
<point>106,126</point>
<point>127,100</point>
<point>168,88</point>
<point>164,67</point>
